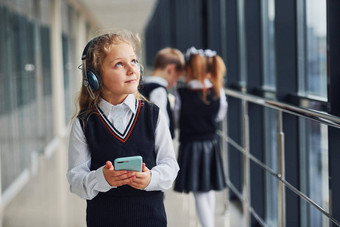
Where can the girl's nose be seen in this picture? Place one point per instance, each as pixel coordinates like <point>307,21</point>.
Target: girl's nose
<point>130,69</point>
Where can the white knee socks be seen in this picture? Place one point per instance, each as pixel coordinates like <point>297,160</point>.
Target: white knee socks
<point>205,206</point>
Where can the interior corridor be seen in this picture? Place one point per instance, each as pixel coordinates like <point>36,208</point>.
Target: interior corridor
<point>46,201</point>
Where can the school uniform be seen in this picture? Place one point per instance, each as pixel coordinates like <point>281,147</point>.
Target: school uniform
<point>132,128</point>
<point>199,154</point>
<point>154,89</point>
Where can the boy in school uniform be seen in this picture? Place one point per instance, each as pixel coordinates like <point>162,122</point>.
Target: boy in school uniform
<point>168,68</point>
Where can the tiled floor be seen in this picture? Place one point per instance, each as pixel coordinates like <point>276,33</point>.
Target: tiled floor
<point>46,202</point>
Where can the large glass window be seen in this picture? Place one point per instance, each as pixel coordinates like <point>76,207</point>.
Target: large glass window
<point>19,97</point>
<point>314,172</point>
<point>242,42</point>
<point>68,65</point>
<point>271,161</point>
<point>268,44</point>
<point>17,119</point>
<point>47,83</point>
<point>312,44</point>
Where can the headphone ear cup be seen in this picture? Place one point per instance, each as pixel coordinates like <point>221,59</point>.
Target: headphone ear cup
<point>93,79</point>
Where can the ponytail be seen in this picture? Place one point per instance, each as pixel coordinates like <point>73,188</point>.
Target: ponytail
<point>197,68</point>
<point>217,70</point>
<point>200,63</point>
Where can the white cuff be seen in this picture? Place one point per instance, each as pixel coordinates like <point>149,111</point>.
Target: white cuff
<point>102,184</point>
<point>153,182</point>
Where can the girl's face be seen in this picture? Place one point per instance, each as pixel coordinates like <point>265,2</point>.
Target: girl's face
<point>120,73</point>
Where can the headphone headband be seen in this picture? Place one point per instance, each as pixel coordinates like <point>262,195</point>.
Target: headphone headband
<point>88,45</point>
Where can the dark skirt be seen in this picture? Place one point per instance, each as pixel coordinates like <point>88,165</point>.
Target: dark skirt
<point>201,167</point>
<point>127,211</point>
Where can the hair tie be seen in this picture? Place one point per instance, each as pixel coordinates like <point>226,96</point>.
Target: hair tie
<point>189,52</point>
<point>209,53</point>
<point>206,53</point>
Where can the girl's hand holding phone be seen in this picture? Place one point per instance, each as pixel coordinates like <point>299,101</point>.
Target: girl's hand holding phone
<point>142,179</point>
<point>117,178</point>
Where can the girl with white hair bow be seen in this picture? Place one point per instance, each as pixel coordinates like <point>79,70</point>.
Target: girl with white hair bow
<point>198,107</point>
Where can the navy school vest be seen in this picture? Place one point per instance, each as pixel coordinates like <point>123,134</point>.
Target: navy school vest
<point>146,89</point>
<point>124,205</point>
<point>197,119</point>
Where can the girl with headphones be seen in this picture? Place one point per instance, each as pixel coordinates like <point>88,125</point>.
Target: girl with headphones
<point>115,121</point>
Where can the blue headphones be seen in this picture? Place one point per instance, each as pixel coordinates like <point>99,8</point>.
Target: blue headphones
<point>91,78</point>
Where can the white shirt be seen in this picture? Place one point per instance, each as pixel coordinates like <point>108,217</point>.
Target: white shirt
<point>195,84</point>
<point>87,184</point>
<point>159,96</point>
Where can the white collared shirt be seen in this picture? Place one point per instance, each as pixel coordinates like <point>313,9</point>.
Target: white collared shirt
<point>87,184</point>
<point>159,96</point>
<point>195,84</point>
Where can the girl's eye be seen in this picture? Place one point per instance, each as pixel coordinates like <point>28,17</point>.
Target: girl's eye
<point>119,64</point>
<point>134,61</point>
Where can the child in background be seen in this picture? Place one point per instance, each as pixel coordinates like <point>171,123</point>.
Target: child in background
<point>198,108</point>
<point>168,67</point>
<point>115,122</point>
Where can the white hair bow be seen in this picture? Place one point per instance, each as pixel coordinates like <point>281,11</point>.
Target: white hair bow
<point>192,50</point>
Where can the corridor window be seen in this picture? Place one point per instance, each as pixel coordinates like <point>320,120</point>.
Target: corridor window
<point>270,117</point>
<point>312,44</point>
<point>68,37</point>
<point>242,43</point>
<point>314,172</point>
<point>268,43</point>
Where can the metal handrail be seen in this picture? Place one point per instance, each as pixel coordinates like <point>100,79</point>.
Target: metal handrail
<point>318,116</point>
<point>278,177</point>
<point>315,115</point>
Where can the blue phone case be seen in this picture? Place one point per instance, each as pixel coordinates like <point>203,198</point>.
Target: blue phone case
<point>132,163</point>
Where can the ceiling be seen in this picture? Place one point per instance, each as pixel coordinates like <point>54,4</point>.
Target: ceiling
<point>132,15</point>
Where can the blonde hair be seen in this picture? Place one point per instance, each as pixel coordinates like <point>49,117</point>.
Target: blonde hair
<point>200,67</point>
<point>96,54</point>
<point>168,56</point>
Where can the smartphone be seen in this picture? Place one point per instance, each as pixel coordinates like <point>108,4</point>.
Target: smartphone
<point>132,163</point>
